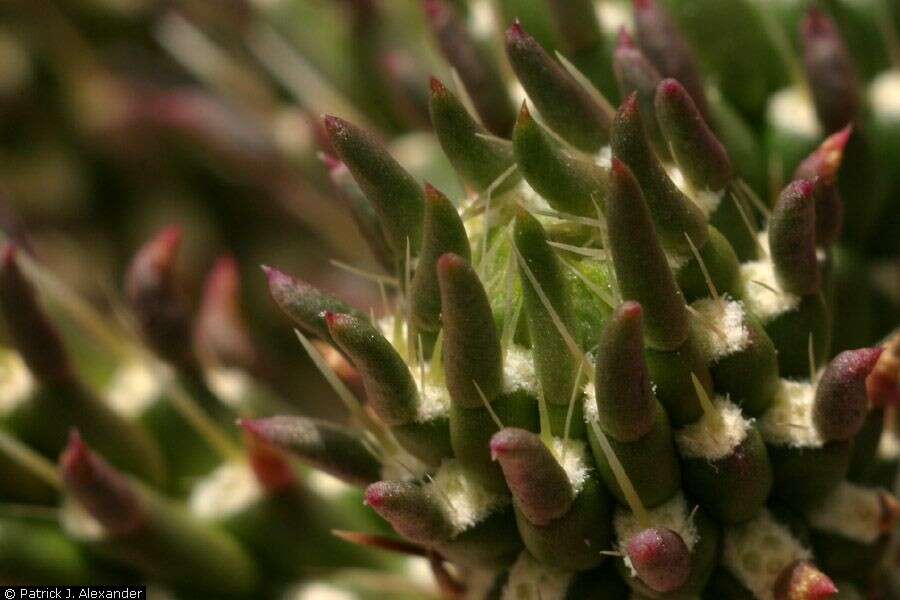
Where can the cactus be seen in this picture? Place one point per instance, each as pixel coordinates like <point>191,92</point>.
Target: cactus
<point>613,358</point>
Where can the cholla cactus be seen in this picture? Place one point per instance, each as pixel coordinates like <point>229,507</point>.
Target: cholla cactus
<point>600,371</point>
<point>613,368</point>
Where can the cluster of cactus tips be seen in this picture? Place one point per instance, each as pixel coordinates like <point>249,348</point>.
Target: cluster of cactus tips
<point>607,372</point>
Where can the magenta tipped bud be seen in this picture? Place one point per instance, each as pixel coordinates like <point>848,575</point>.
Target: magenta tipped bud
<point>792,239</point>
<point>626,407</point>
<point>105,493</point>
<point>539,485</point>
<point>156,298</point>
<point>803,581</point>
<point>472,356</point>
<point>641,266</point>
<point>477,68</point>
<point>34,336</point>
<point>303,303</point>
<point>221,336</point>
<point>412,511</point>
<point>326,446</point>
<point>661,559</point>
<point>822,166</point>
<point>661,41</point>
<point>841,401</point>
<point>698,152</point>
<point>835,85</point>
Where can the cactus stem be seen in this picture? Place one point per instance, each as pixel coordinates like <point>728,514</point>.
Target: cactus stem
<point>353,406</point>
<point>631,496</point>
<point>487,405</point>
<point>436,372</point>
<point>584,82</point>
<point>560,326</point>
<point>30,460</point>
<point>713,292</point>
<point>411,355</point>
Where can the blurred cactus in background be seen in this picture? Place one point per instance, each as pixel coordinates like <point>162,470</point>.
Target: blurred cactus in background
<point>593,298</point>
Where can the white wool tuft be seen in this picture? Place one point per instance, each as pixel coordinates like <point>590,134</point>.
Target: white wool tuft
<point>518,371</point>
<point>135,386</point>
<point>851,511</point>
<point>531,580</point>
<point>482,23</point>
<point>603,158</point>
<point>757,552</point>
<point>791,109</point>
<point>590,404</point>
<point>434,399</point>
<point>320,590</point>
<point>573,460</point>
<point>789,420</point>
<point>674,515</point>
<point>722,330</point>
<point>888,446</point>
<point>16,382</point>
<point>884,95</point>
<point>327,486</point>
<point>714,436</point>
<point>231,386</point>
<point>707,200</point>
<point>768,300</point>
<point>78,522</point>
<point>678,261</point>
<point>464,500</point>
<point>229,489</point>
<point>613,16</point>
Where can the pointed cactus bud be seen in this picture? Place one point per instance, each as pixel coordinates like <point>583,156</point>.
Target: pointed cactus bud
<point>221,336</point>
<point>393,192</point>
<point>443,233</point>
<point>478,158</point>
<point>545,297</point>
<point>792,239</point>
<point>390,388</point>
<point>698,152</point>
<point>34,336</point>
<point>569,183</point>
<point>539,485</point>
<point>841,402</point>
<point>641,267</point>
<point>636,74</point>
<point>883,383</point>
<point>472,357</point>
<point>822,166</point>
<point>271,467</point>
<point>564,104</point>
<point>803,581</point>
<point>305,304</point>
<point>835,85</point>
<point>661,559</point>
<point>674,215</point>
<point>332,448</point>
<point>106,494</point>
<point>662,42</point>
<point>476,68</point>
<point>625,404</point>
<point>157,299</point>
<point>412,511</point>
